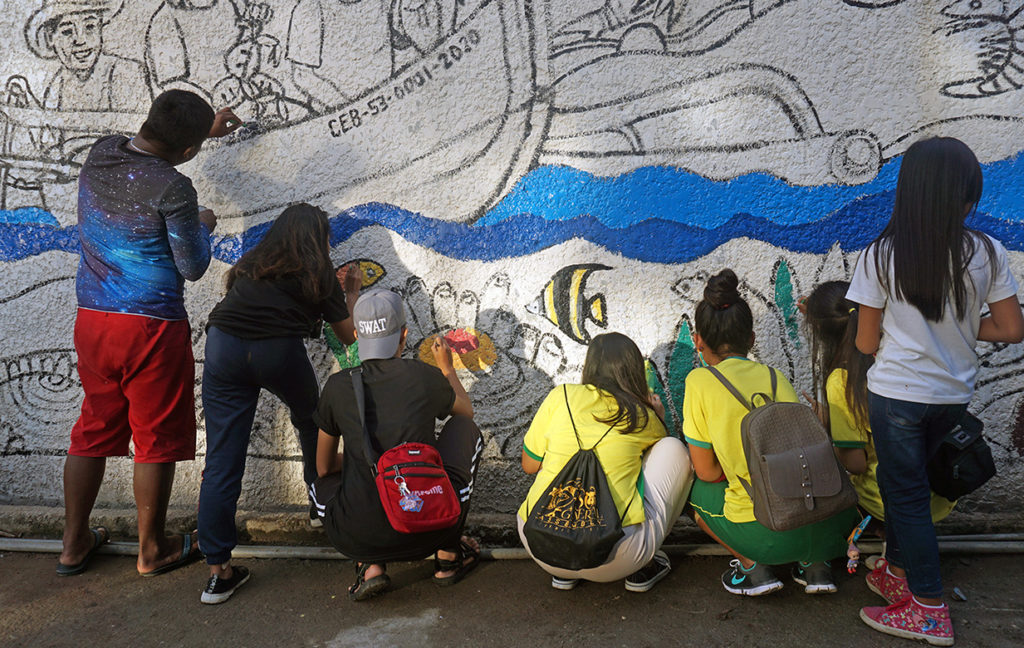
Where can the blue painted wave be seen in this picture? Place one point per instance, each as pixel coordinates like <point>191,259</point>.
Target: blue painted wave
<point>755,207</point>
<point>667,193</point>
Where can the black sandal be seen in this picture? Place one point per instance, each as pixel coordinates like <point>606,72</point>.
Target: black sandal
<point>459,565</point>
<point>364,589</point>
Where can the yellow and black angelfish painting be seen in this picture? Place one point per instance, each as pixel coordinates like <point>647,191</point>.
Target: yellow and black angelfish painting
<point>564,302</point>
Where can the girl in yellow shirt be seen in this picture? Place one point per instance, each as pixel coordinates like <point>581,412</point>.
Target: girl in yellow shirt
<point>840,375</point>
<point>648,473</point>
<point>724,334</point>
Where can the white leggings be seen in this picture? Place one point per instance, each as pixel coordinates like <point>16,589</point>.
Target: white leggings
<point>668,476</point>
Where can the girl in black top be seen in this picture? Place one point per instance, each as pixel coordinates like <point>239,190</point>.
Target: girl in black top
<point>278,292</point>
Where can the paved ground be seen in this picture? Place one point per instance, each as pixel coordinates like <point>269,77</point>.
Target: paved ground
<point>503,603</point>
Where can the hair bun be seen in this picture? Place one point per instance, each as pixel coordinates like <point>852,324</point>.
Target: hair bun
<point>721,291</point>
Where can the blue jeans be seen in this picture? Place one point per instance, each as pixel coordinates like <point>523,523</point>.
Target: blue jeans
<point>906,434</point>
<point>234,372</point>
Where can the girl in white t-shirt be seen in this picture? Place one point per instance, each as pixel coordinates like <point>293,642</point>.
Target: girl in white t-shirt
<point>921,286</point>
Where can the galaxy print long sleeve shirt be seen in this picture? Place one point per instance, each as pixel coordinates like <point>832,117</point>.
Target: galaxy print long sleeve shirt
<point>138,222</point>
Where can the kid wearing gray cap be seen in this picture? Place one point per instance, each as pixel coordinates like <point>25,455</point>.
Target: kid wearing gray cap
<point>403,398</point>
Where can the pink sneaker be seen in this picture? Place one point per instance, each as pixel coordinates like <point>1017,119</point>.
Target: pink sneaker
<point>911,620</point>
<point>892,588</point>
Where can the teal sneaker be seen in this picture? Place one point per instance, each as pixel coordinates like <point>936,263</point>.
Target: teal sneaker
<point>756,581</point>
<point>815,577</point>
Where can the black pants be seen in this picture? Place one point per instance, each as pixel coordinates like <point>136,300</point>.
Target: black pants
<point>460,445</point>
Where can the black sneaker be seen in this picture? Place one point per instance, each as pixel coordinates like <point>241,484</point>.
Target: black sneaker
<point>644,578</point>
<point>220,589</point>
<point>315,520</point>
<point>815,577</point>
<point>756,581</point>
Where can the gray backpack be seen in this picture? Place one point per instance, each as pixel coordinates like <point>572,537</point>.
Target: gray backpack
<point>795,477</point>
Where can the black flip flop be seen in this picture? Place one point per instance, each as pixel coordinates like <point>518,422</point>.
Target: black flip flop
<point>364,589</point>
<point>459,566</point>
<point>187,557</point>
<point>100,537</point>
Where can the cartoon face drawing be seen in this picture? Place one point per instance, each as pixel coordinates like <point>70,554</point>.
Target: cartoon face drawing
<point>77,39</point>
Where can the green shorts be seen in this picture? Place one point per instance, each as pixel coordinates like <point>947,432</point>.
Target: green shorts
<point>812,543</point>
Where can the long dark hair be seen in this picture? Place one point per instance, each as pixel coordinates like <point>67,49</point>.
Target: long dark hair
<point>296,247</point>
<point>723,318</point>
<point>926,239</point>
<point>832,320</point>
<point>615,365</point>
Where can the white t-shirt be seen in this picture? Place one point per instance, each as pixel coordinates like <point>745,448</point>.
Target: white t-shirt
<point>923,361</point>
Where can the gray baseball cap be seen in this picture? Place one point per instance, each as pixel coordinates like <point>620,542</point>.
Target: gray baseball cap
<point>378,317</point>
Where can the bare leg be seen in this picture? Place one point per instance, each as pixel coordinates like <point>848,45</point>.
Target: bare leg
<point>82,479</point>
<point>152,483</point>
<point>746,562</point>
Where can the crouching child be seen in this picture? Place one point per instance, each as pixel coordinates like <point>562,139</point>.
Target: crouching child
<point>401,399</point>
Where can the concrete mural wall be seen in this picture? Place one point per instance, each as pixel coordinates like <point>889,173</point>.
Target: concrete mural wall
<point>530,173</point>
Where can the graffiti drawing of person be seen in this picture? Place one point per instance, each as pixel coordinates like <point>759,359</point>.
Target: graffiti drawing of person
<point>248,88</point>
<point>186,42</point>
<point>89,79</point>
<point>338,48</point>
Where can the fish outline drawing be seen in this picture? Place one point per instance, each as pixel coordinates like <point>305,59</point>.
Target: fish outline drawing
<point>564,303</point>
<point>1001,55</point>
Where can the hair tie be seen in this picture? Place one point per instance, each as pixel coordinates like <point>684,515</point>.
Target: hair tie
<point>851,311</point>
<point>724,306</point>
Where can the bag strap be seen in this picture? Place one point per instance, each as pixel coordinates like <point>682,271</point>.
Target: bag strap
<point>579,443</point>
<point>732,388</point>
<point>735,392</point>
<point>368,450</point>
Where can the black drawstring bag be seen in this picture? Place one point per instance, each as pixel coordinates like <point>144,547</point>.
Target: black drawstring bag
<point>963,461</point>
<point>575,524</point>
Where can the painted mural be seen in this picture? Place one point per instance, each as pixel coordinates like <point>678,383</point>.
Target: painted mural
<point>525,173</point>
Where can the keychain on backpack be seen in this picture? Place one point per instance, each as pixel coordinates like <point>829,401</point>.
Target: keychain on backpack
<point>409,501</point>
<point>852,551</point>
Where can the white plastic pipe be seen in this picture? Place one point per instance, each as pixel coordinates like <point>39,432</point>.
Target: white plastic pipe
<point>961,544</point>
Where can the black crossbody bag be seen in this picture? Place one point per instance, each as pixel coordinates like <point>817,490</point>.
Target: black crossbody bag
<point>963,461</point>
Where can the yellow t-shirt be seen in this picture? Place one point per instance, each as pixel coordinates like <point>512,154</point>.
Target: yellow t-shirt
<point>712,416</point>
<point>846,434</point>
<point>550,440</point>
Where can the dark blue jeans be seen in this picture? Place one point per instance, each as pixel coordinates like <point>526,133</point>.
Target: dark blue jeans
<point>906,434</point>
<point>234,372</point>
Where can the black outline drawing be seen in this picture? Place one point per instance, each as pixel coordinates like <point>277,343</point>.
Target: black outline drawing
<point>1001,57</point>
<point>635,127</point>
<point>526,361</point>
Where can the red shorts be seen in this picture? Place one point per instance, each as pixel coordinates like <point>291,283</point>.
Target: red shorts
<point>138,375</point>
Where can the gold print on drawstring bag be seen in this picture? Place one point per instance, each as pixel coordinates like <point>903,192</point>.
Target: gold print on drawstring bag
<point>571,506</point>
<point>575,523</point>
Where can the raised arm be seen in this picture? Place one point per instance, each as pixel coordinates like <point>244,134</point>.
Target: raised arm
<point>443,357</point>
<point>188,237</point>
<point>351,278</point>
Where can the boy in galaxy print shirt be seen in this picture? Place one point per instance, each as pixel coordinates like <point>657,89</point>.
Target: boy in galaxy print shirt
<point>142,235</point>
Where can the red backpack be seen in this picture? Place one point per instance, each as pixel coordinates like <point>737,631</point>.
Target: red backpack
<point>413,486</point>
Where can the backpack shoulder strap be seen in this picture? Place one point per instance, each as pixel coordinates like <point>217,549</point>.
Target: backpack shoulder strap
<point>368,450</point>
<point>775,383</point>
<point>732,388</point>
<point>568,408</point>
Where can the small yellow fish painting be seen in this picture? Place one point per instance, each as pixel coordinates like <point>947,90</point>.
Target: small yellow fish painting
<point>372,271</point>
